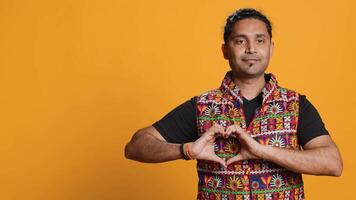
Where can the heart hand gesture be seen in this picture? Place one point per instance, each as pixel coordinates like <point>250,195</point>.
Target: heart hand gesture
<point>203,148</point>
<point>250,148</point>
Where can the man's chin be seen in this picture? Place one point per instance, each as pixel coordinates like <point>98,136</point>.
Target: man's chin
<point>248,73</point>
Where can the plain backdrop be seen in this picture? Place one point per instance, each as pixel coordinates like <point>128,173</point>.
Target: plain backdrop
<point>78,78</point>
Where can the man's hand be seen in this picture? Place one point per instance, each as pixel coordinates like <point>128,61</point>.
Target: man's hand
<point>250,148</point>
<point>203,148</point>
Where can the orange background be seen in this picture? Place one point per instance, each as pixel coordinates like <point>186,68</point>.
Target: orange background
<point>78,78</point>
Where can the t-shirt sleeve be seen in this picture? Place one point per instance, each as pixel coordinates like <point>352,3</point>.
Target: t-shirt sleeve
<point>310,124</point>
<point>179,125</point>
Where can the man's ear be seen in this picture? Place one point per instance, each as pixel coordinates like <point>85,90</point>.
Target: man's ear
<point>224,51</point>
<point>271,49</point>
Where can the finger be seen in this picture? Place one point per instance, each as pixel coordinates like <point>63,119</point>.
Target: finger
<point>208,134</point>
<point>223,132</point>
<point>241,137</point>
<point>239,130</point>
<point>235,131</point>
<point>243,134</point>
<point>234,159</point>
<point>219,130</point>
<point>217,159</point>
<point>214,131</point>
<point>231,127</point>
<point>228,131</point>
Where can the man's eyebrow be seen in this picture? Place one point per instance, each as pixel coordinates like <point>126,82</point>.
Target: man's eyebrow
<point>245,36</point>
<point>239,35</point>
<point>261,35</point>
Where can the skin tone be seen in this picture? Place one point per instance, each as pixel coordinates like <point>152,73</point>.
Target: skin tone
<point>248,51</point>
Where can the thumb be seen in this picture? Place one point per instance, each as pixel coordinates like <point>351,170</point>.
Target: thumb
<point>234,159</point>
<point>217,159</point>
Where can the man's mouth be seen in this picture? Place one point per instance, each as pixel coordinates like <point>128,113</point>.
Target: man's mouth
<point>250,60</point>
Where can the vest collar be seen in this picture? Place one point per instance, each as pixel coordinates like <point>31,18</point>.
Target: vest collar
<point>228,86</point>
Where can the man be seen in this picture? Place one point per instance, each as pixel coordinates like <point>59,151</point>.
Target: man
<point>251,137</point>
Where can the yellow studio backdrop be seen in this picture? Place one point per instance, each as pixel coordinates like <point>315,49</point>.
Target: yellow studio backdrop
<point>78,78</point>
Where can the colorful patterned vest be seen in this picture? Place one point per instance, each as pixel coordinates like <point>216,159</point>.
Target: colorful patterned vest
<point>274,123</point>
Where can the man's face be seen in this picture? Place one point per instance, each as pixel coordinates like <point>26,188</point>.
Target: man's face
<point>248,48</point>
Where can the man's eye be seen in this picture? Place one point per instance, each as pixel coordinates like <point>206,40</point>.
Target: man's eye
<point>260,41</point>
<point>239,41</point>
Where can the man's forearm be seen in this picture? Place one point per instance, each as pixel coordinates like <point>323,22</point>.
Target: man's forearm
<point>146,148</point>
<point>321,161</point>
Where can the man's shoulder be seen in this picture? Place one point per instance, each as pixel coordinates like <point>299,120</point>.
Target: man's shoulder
<point>216,91</point>
<point>285,89</point>
<point>287,93</point>
<point>209,95</point>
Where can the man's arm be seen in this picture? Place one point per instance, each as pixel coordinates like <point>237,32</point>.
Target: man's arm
<point>319,157</point>
<point>147,145</point>
<point>160,142</point>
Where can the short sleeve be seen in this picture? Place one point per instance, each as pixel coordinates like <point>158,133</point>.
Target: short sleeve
<point>179,125</point>
<point>310,124</point>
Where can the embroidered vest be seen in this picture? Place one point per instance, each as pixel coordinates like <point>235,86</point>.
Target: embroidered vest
<point>274,123</point>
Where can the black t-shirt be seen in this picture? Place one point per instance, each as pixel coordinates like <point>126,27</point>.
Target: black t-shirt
<point>179,125</point>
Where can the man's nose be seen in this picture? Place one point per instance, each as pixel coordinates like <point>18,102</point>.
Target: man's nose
<point>250,48</point>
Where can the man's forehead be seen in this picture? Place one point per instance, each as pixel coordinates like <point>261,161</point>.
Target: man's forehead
<point>250,27</point>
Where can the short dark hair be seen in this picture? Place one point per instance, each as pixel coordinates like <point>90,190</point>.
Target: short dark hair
<point>245,13</point>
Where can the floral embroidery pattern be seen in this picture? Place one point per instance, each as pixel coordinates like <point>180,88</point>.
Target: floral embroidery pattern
<point>212,110</point>
<point>277,141</point>
<point>277,181</point>
<point>234,183</point>
<point>215,182</point>
<point>275,108</point>
<point>232,146</point>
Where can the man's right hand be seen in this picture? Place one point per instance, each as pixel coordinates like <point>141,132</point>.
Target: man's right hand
<point>203,148</point>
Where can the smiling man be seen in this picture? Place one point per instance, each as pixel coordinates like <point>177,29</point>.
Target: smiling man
<point>252,138</point>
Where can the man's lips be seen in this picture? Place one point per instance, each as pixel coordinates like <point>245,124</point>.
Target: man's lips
<point>250,59</point>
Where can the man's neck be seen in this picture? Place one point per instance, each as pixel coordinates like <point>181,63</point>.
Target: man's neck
<point>250,87</point>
